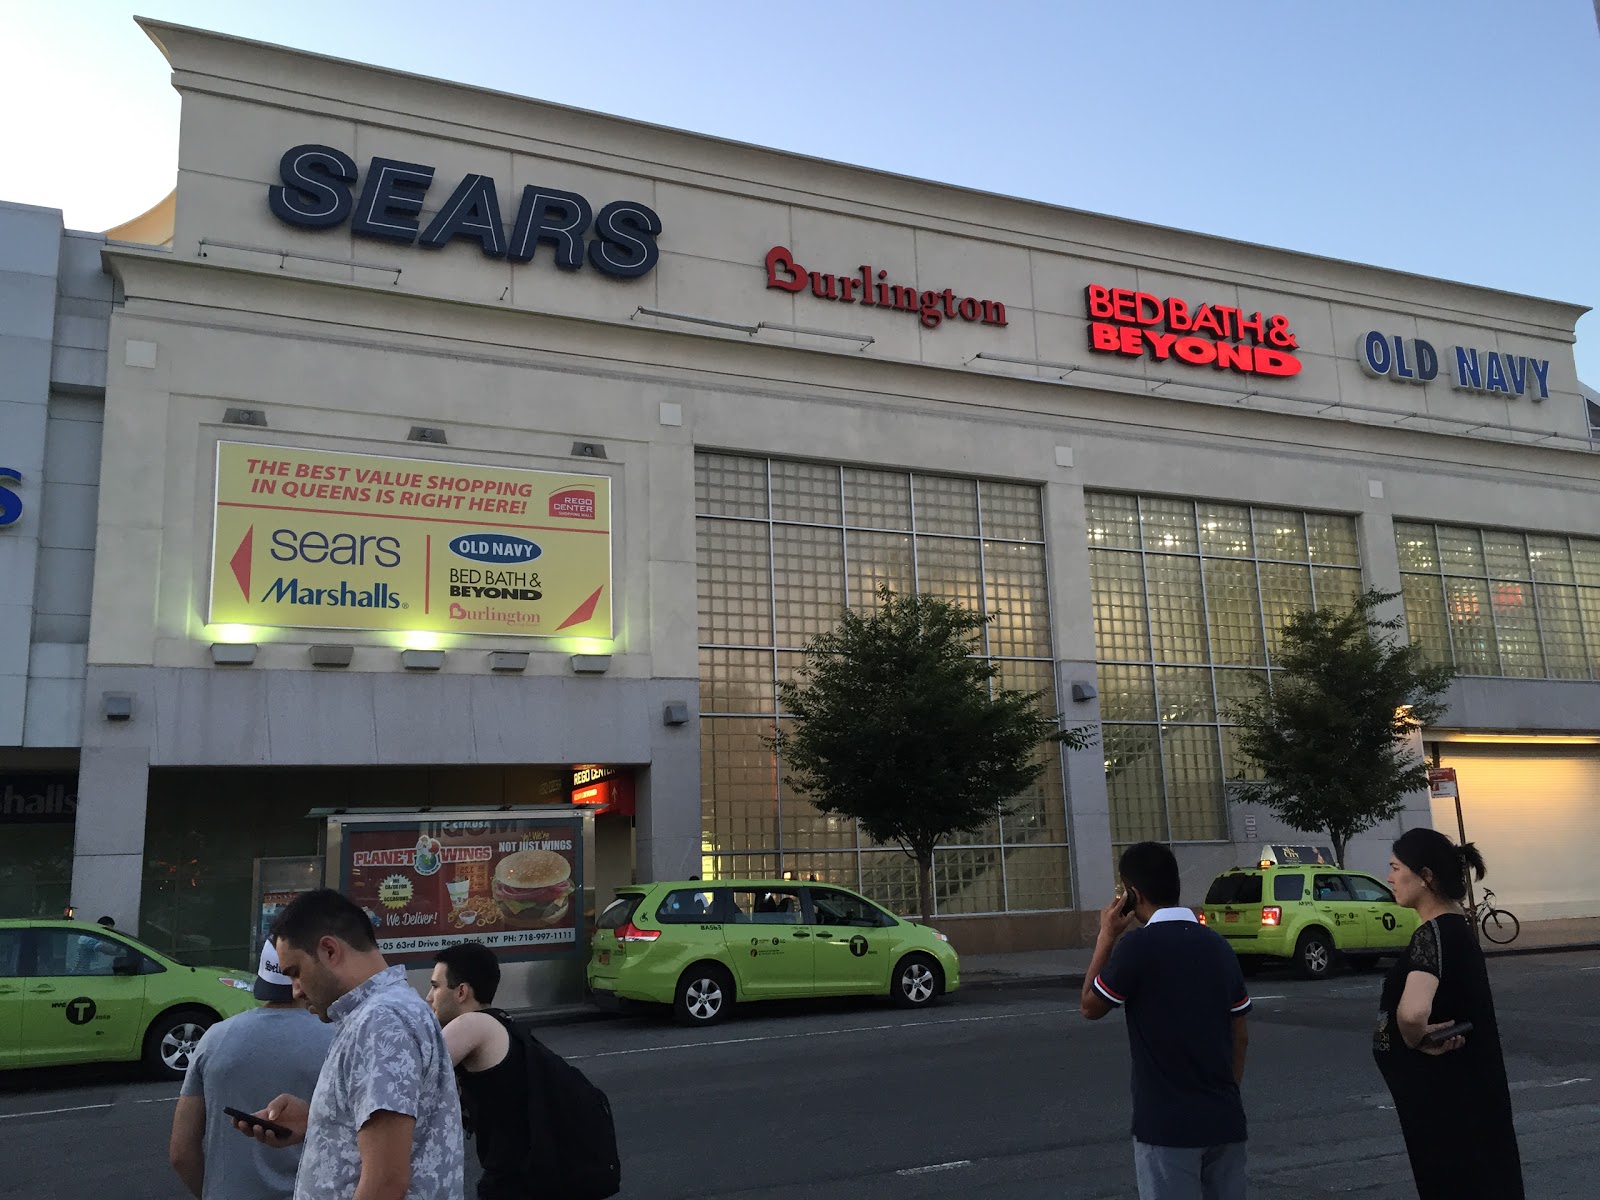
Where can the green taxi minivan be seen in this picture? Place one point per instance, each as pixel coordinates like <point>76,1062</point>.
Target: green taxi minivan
<point>701,946</point>
<point>1311,915</point>
<point>77,993</point>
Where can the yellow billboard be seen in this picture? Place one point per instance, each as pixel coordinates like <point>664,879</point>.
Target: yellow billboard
<point>311,539</point>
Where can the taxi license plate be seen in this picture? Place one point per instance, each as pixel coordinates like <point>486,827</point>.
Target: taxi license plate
<point>1229,917</point>
<point>605,957</point>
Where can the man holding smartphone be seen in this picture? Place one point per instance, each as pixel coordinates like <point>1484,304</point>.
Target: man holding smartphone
<point>242,1063</point>
<point>384,1122</point>
<point>1183,991</point>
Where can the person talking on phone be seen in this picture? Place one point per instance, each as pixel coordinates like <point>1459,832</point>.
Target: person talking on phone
<point>1183,991</point>
<point>1437,1043</point>
<point>242,1063</point>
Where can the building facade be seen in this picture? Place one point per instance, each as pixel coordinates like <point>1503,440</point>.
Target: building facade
<point>404,330</point>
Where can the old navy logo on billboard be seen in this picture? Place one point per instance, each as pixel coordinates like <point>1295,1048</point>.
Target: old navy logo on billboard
<point>10,502</point>
<point>1412,360</point>
<point>497,548</point>
<point>318,192</point>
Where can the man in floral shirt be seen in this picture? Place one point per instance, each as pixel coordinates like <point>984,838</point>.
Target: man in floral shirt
<point>384,1122</point>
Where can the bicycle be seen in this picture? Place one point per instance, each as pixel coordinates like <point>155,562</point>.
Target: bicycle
<point>1499,926</point>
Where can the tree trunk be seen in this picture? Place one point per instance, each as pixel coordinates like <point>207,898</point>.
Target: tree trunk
<point>925,886</point>
<point>1339,844</point>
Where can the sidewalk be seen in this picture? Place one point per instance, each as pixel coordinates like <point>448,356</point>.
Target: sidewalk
<point>1066,967</point>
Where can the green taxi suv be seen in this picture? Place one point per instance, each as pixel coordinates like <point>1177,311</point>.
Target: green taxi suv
<point>700,947</point>
<point>76,993</point>
<point>1310,915</point>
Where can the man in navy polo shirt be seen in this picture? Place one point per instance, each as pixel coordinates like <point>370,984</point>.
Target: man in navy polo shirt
<point>1185,999</point>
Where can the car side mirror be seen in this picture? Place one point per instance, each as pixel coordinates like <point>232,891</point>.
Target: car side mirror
<point>125,964</point>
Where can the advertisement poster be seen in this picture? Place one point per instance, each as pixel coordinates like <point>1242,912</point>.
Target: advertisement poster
<point>513,884</point>
<point>311,539</point>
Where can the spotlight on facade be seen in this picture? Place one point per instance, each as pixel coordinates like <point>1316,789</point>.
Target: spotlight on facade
<point>245,416</point>
<point>233,654</point>
<point>429,434</point>
<point>676,712</point>
<point>116,706</point>
<point>326,654</point>
<point>422,660</point>
<point>1082,690</point>
<point>508,660</point>
<point>590,664</point>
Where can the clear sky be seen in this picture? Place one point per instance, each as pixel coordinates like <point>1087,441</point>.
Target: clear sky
<point>1458,138</point>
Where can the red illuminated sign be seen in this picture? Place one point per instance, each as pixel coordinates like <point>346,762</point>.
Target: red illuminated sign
<point>614,795</point>
<point>1206,335</point>
<point>870,288</point>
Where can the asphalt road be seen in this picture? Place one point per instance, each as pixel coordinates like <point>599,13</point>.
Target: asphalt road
<point>1006,1094</point>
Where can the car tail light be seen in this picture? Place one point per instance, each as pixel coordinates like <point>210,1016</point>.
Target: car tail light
<point>632,933</point>
<point>1271,915</point>
<point>1202,917</point>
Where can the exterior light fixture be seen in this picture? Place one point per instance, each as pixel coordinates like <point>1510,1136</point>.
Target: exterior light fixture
<point>116,706</point>
<point>325,654</point>
<point>508,660</point>
<point>676,712</point>
<point>245,416</point>
<point>590,664</point>
<point>422,660</point>
<point>233,654</point>
<point>429,434</point>
<point>1082,690</point>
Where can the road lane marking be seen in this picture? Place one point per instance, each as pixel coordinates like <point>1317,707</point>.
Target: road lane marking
<point>158,1100</point>
<point>789,1037</point>
<point>45,1112</point>
<point>1258,999</point>
<point>1524,1084</point>
<point>949,1166</point>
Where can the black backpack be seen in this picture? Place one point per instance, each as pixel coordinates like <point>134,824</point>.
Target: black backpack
<point>572,1139</point>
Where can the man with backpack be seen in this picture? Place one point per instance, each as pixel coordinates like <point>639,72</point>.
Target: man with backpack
<point>544,1132</point>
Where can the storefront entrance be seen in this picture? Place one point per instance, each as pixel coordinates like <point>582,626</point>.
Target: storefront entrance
<point>1534,812</point>
<point>219,842</point>
<point>38,807</point>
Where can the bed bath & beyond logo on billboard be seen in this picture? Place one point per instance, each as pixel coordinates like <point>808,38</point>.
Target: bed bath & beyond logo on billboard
<point>310,539</point>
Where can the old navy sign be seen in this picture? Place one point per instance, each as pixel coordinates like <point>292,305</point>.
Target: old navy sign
<point>1412,360</point>
<point>1167,328</point>
<point>318,192</point>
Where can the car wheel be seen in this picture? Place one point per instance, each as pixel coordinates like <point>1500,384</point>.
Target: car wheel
<point>170,1042</point>
<point>705,995</point>
<point>1313,954</point>
<point>917,982</point>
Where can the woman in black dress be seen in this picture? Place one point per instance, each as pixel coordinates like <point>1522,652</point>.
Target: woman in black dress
<point>1452,1099</point>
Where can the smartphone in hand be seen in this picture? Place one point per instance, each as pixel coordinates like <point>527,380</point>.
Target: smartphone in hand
<point>272,1127</point>
<point>1129,903</point>
<point>1440,1036</point>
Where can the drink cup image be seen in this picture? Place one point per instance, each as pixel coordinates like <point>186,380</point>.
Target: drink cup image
<point>458,889</point>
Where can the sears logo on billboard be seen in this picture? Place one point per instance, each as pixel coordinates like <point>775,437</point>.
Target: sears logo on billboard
<point>495,548</point>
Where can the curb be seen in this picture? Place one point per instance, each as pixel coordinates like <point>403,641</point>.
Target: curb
<point>1524,951</point>
<point>990,983</point>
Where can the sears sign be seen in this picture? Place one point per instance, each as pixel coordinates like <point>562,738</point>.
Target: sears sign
<point>10,502</point>
<point>497,548</point>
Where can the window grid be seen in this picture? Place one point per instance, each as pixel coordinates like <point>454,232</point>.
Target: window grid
<point>1508,604</point>
<point>985,548</point>
<point>1164,695</point>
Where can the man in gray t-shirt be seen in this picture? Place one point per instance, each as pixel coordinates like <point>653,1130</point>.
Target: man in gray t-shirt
<point>243,1063</point>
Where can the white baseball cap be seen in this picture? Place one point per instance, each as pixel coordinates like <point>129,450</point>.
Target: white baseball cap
<point>272,985</point>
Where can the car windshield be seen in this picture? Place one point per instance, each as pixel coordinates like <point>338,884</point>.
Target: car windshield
<point>1235,889</point>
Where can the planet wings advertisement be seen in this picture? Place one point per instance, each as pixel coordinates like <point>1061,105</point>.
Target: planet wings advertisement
<point>511,884</point>
<point>312,539</point>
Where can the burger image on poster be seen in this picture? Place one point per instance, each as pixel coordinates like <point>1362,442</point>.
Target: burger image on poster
<point>533,888</point>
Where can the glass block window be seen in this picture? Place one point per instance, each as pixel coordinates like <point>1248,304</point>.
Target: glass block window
<point>783,547</point>
<point>1190,598</point>
<point>1499,602</point>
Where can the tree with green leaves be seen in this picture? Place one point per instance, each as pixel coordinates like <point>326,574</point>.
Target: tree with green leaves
<point>900,724</point>
<point>1331,734</point>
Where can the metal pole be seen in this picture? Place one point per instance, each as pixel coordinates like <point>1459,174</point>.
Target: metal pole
<point>1472,903</point>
